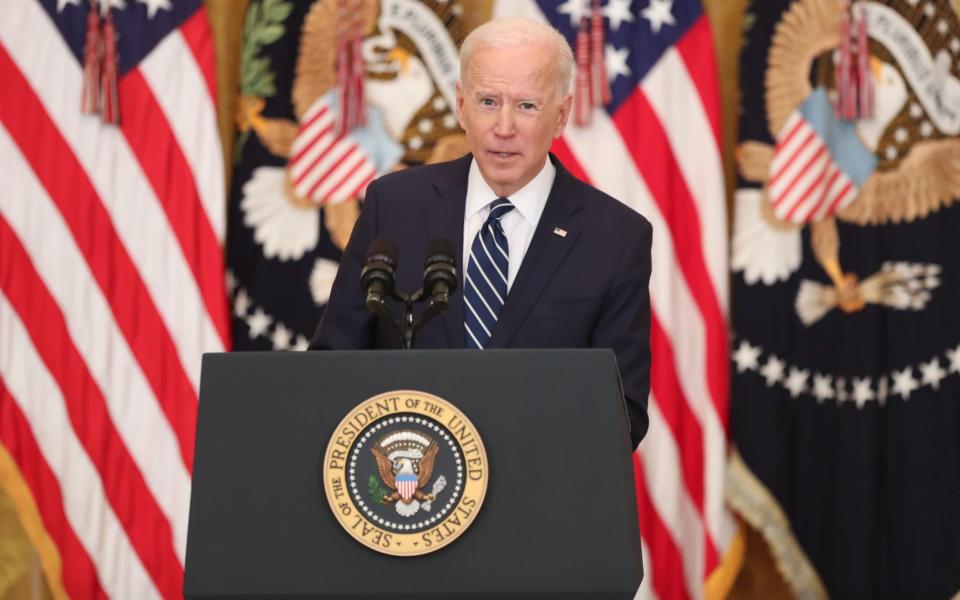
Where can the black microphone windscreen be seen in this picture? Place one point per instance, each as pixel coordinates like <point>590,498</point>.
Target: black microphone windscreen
<point>382,249</point>
<point>441,247</point>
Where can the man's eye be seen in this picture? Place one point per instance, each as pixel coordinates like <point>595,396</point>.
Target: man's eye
<point>528,106</point>
<point>487,101</point>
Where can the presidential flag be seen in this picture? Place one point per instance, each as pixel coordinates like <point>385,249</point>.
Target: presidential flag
<point>111,282</point>
<point>297,175</point>
<point>846,389</point>
<point>656,147</point>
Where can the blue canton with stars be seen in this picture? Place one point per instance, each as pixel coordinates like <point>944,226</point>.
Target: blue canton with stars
<point>637,37</point>
<point>138,32</point>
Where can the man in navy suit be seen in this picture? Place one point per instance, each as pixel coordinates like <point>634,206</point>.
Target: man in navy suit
<point>548,261</point>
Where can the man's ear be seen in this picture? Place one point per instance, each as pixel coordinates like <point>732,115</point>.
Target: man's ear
<point>565,106</point>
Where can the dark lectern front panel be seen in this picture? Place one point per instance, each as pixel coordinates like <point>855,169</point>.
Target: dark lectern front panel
<point>559,519</point>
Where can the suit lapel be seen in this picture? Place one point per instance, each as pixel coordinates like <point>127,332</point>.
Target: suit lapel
<point>544,256</point>
<point>444,217</point>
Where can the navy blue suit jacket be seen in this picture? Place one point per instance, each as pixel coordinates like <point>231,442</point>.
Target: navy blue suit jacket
<point>587,289</point>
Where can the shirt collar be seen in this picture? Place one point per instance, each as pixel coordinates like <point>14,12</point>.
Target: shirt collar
<point>528,201</point>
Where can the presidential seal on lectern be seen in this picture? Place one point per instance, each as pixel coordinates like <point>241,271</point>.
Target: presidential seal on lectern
<point>405,473</point>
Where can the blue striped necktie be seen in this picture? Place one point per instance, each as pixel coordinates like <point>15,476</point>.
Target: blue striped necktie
<point>485,285</point>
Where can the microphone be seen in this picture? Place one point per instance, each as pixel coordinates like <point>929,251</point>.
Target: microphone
<point>377,277</point>
<point>440,272</point>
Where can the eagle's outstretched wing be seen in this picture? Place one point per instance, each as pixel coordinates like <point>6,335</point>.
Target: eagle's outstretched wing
<point>808,29</point>
<point>385,467</point>
<point>316,71</point>
<point>931,173</point>
<point>426,464</point>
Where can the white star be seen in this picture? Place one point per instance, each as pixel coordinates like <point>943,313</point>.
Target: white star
<point>617,11</point>
<point>231,281</point>
<point>281,337</point>
<point>301,344</point>
<point>926,129</point>
<point>797,381</point>
<point>154,5</point>
<point>842,395</point>
<point>615,60</point>
<point>861,391</point>
<point>931,373</point>
<point>258,323</point>
<point>449,121</point>
<point>943,27</point>
<point>659,14</point>
<point>883,389</point>
<point>915,111</point>
<point>904,383</point>
<point>577,9</point>
<point>416,142</point>
<point>425,125</point>
<point>439,104</point>
<point>955,45</point>
<point>746,356</point>
<point>241,304</point>
<point>773,370</point>
<point>929,9</point>
<point>61,4</point>
<point>891,152</point>
<point>900,134</point>
<point>954,357</point>
<point>822,387</point>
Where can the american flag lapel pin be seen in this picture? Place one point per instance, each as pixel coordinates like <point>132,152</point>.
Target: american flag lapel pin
<point>561,232</point>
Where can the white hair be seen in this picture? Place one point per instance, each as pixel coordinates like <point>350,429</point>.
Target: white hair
<point>518,31</point>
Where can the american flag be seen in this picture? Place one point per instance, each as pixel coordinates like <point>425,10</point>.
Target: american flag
<point>656,147</point>
<point>111,288</point>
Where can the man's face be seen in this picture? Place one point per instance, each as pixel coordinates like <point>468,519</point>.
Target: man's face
<point>511,111</point>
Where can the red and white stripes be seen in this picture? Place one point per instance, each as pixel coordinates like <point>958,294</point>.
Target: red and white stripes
<point>327,166</point>
<point>806,184</point>
<point>111,288</point>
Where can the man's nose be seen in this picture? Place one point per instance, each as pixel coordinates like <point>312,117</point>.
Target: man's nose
<point>505,125</point>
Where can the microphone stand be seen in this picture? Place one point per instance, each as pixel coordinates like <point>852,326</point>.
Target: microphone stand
<point>409,325</point>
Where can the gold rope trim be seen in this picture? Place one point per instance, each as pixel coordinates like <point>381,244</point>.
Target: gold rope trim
<point>752,501</point>
<point>721,580</point>
<point>11,480</point>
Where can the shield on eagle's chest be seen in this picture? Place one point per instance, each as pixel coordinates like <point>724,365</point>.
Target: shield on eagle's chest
<point>406,485</point>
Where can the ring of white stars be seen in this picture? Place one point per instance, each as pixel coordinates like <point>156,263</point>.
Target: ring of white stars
<point>428,520</point>
<point>859,390</point>
<point>259,322</point>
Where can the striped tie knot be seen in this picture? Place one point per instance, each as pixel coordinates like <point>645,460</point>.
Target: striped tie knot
<point>498,208</point>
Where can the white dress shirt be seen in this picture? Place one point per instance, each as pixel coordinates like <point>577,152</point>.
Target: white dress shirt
<point>518,224</point>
